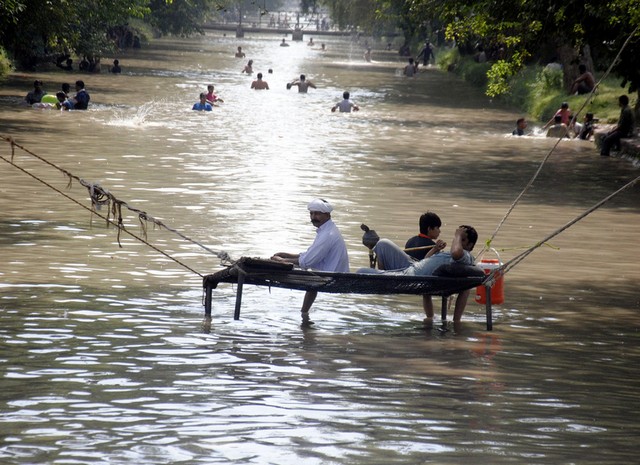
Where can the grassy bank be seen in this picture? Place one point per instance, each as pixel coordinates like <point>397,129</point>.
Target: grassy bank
<point>538,91</point>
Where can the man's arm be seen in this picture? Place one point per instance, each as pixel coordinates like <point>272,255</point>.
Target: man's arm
<point>285,257</point>
<point>440,245</point>
<point>457,251</point>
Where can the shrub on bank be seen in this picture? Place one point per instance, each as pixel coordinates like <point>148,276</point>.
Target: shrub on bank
<point>5,63</point>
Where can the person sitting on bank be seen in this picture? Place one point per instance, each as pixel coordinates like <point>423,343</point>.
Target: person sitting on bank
<point>259,84</point>
<point>302,84</point>
<point>211,97</point>
<point>521,125</point>
<point>68,62</point>
<point>328,251</point>
<point>82,97</point>
<point>584,83</point>
<point>464,240</point>
<point>35,96</point>
<point>623,130</point>
<point>202,105</point>
<point>345,105</point>
<point>559,129</point>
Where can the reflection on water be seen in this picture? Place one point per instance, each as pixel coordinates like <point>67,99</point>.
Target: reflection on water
<point>104,358</point>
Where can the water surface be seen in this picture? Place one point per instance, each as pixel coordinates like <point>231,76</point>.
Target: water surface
<point>104,356</point>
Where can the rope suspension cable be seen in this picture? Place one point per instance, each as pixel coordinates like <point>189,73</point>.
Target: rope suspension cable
<point>544,160</point>
<point>100,196</point>
<point>518,258</point>
<point>119,224</point>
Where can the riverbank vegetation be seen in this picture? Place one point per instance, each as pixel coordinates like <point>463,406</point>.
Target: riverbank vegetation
<point>513,37</point>
<point>34,33</point>
<point>538,90</point>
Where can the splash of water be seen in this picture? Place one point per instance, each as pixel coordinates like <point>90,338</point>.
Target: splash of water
<point>139,118</point>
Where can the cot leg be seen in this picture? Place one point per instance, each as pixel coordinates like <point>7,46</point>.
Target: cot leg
<point>207,300</point>
<point>489,309</point>
<point>445,300</point>
<point>236,314</point>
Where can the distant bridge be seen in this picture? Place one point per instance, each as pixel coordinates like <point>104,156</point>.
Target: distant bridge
<point>295,32</point>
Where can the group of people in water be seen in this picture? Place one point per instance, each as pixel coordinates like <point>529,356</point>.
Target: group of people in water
<point>61,100</point>
<point>564,125</point>
<point>207,101</point>
<point>427,54</point>
<point>422,255</point>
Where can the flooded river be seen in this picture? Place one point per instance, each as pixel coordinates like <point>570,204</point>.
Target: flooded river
<point>104,358</point>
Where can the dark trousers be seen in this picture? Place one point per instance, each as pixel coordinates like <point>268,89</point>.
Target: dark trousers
<point>610,141</point>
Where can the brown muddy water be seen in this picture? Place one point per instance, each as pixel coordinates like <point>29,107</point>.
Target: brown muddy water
<point>104,359</point>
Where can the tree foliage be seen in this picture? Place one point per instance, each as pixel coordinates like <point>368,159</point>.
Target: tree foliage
<point>518,32</point>
<point>36,31</point>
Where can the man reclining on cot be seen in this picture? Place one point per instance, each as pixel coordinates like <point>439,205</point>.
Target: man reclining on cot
<point>394,260</point>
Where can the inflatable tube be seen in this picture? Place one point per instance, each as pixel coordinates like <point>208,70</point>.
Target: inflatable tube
<point>49,98</point>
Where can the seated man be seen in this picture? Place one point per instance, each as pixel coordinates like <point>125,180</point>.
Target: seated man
<point>328,251</point>
<point>584,83</point>
<point>463,242</point>
<point>417,248</point>
<point>624,128</point>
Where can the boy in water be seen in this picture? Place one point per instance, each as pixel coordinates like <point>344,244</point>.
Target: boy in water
<point>346,105</point>
<point>521,125</point>
<point>211,97</point>
<point>302,84</point>
<point>202,105</point>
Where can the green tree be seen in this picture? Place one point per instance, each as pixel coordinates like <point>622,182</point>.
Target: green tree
<point>525,31</point>
<point>182,17</point>
<point>37,31</point>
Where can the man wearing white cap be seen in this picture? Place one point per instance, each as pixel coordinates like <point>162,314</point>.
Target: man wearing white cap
<point>327,253</point>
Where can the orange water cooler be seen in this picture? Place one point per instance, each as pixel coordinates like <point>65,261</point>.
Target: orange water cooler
<point>497,290</point>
